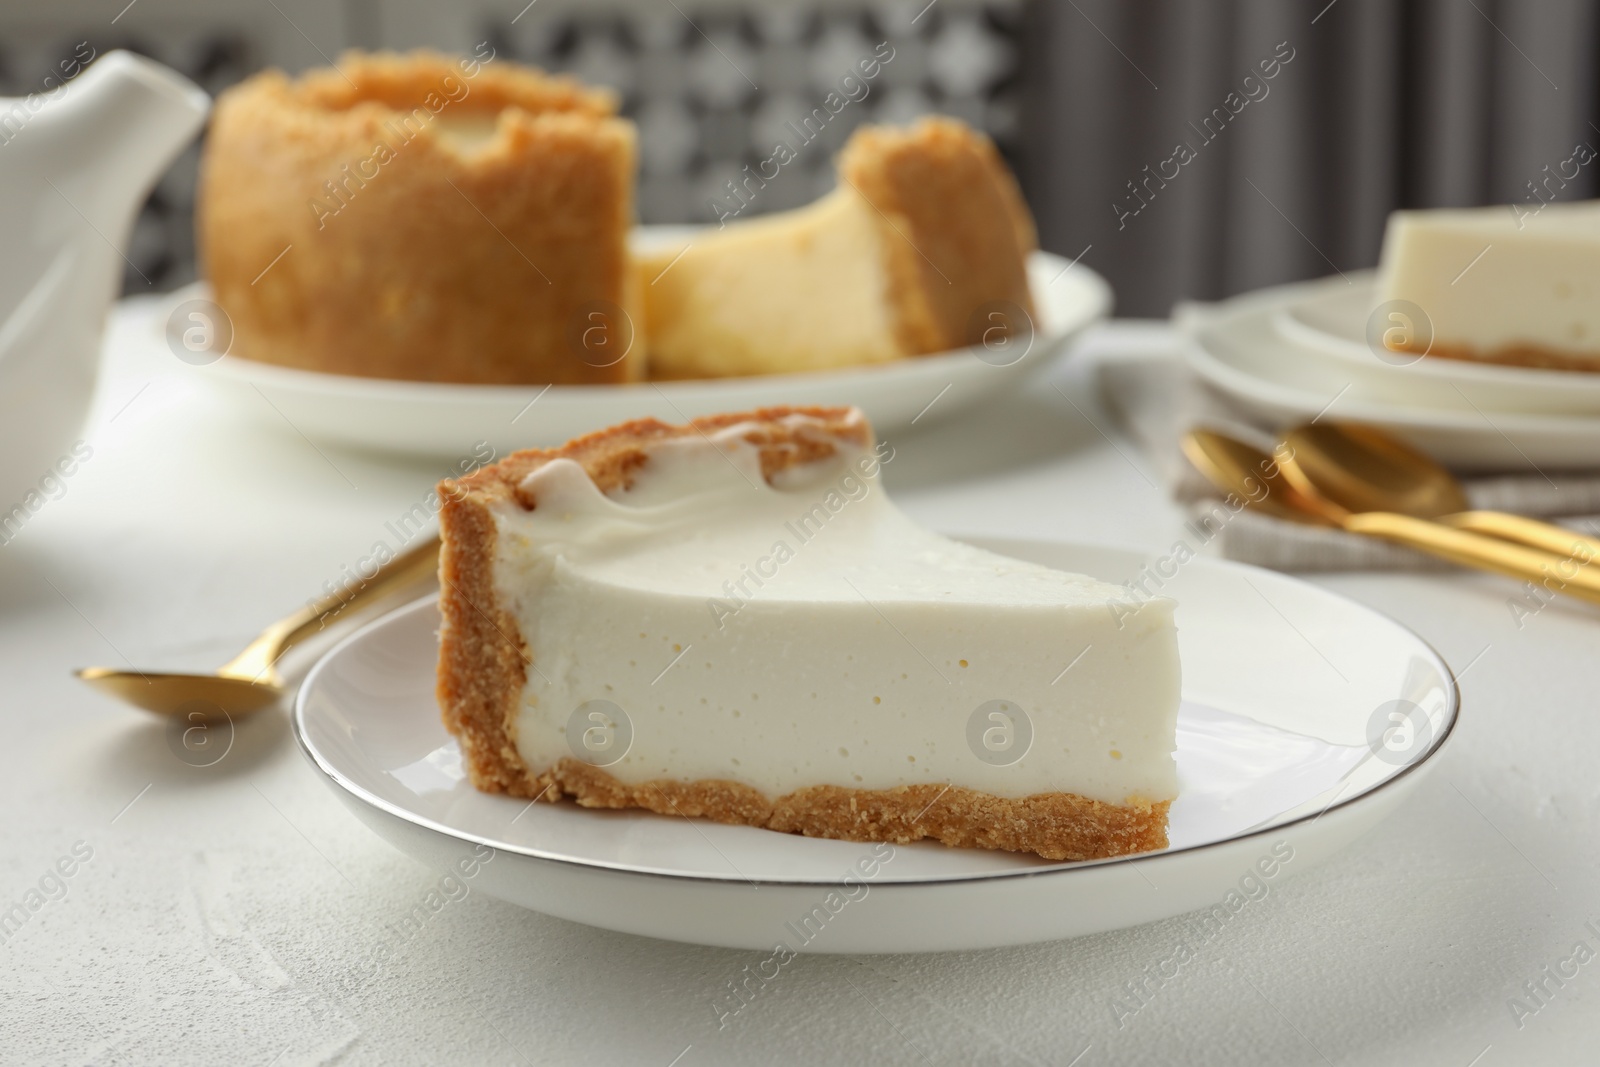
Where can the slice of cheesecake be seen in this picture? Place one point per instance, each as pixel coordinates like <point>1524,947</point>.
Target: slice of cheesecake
<point>730,620</point>
<point>1497,284</point>
<point>925,238</point>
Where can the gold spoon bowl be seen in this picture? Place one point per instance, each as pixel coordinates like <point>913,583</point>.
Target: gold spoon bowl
<point>178,694</point>
<point>1364,469</point>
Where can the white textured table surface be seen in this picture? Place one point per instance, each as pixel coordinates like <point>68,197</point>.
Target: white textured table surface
<point>224,914</point>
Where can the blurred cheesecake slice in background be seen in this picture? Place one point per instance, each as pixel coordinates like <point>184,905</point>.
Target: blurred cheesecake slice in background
<point>925,239</point>
<point>1497,285</point>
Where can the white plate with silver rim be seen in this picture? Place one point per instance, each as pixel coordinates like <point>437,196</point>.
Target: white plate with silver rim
<point>445,420</point>
<point>1333,317</point>
<point>1236,348</point>
<point>1307,719</point>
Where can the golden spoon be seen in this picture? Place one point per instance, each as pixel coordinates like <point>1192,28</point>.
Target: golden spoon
<point>1242,469</point>
<point>250,681</point>
<point>1363,468</point>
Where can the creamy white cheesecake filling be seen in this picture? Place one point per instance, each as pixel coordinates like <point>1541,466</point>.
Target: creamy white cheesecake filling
<point>807,633</point>
<point>1496,277</point>
<point>799,290</point>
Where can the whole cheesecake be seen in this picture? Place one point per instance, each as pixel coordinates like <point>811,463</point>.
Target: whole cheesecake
<point>423,217</point>
<point>730,620</point>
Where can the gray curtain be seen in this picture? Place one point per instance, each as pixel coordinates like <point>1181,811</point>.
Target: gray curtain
<point>1384,104</point>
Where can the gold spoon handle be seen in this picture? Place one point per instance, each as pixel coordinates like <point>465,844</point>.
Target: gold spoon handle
<point>1556,572</point>
<point>1520,528</point>
<point>401,572</point>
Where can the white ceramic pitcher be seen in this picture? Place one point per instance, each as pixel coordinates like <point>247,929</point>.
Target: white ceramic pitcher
<point>76,164</point>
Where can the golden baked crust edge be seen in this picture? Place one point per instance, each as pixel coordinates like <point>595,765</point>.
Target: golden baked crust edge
<point>483,669</point>
<point>1054,826</point>
<point>1532,356</point>
<point>945,264</point>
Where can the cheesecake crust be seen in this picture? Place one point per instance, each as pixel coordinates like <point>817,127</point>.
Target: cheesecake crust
<point>344,229</point>
<point>483,664</point>
<point>1054,826</point>
<point>1536,357</point>
<point>955,229</point>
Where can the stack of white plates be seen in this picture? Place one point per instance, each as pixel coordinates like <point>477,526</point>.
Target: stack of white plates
<point>1300,352</point>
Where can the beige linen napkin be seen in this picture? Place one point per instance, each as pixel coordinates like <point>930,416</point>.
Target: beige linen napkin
<point>1158,399</point>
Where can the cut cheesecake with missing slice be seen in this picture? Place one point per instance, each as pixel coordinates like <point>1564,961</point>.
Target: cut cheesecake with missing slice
<point>1497,284</point>
<point>451,220</point>
<point>924,241</point>
<point>730,620</point>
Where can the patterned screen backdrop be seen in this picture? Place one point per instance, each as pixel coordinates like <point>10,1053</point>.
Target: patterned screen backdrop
<point>1385,104</point>
<point>714,97</point>
<point>710,97</point>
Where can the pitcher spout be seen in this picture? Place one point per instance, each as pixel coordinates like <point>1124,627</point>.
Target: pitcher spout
<point>105,137</point>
